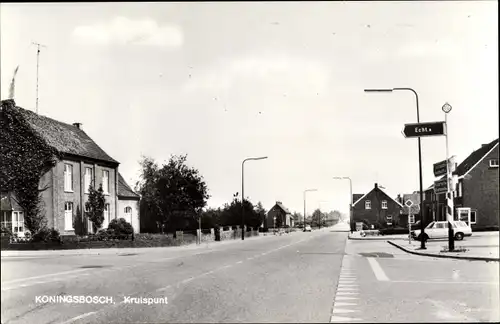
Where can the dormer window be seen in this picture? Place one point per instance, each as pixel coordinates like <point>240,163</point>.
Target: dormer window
<point>384,204</point>
<point>368,204</point>
<point>493,163</point>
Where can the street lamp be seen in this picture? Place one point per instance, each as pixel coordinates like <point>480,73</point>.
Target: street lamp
<point>307,190</point>
<point>243,192</point>
<point>350,207</point>
<point>449,199</point>
<point>422,229</point>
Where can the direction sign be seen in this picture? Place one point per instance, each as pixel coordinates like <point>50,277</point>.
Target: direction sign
<point>440,168</point>
<point>440,186</point>
<point>424,129</point>
<point>408,203</point>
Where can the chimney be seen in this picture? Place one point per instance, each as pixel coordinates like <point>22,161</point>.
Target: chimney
<point>78,125</point>
<point>376,185</point>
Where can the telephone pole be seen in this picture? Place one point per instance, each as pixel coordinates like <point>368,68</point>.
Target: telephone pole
<point>38,45</point>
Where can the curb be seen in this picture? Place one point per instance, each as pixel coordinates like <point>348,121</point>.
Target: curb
<point>374,239</point>
<point>434,255</point>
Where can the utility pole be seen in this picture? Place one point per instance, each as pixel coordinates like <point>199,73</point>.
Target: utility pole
<point>38,45</point>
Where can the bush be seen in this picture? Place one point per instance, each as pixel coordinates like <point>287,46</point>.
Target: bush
<point>6,231</point>
<point>119,228</point>
<point>46,234</point>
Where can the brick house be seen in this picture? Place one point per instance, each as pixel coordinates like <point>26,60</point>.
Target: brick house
<point>376,208</point>
<point>282,214</point>
<point>413,212</point>
<point>476,188</point>
<point>83,163</point>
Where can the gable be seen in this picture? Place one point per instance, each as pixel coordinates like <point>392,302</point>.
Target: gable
<point>373,194</point>
<point>65,138</point>
<point>475,158</point>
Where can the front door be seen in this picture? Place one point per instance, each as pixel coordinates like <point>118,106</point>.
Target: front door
<point>463,214</point>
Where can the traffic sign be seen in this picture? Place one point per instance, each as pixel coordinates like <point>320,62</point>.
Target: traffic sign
<point>424,129</point>
<point>440,186</point>
<point>409,203</point>
<point>440,168</point>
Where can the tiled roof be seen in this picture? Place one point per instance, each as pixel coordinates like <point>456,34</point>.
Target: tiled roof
<point>124,189</point>
<point>280,204</point>
<point>8,202</point>
<point>474,158</point>
<point>355,197</point>
<point>63,137</point>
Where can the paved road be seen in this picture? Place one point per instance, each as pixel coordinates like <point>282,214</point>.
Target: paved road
<point>285,278</point>
<point>301,277</point>
<point>389,285</point>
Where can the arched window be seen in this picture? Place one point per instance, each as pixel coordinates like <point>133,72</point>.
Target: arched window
<point>128,214</point>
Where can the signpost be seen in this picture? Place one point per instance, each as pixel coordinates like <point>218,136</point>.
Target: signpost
<point>424,129</point>
<point>408,204</point>
<point>440,168</point>
<point>441,186</point>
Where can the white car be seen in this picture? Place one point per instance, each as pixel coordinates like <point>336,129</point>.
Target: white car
<point>308,228</point>
<point>439,230</point>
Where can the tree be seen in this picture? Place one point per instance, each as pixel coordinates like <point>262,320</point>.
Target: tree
<point>261,212</point>
<point>25,158</point>
<point>318,217</point>
<point>95,207</point>
<point>173,195</point>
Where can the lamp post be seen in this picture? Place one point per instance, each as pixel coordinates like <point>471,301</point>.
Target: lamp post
<point>305,191</point>
<point>243,192</point>
<point>350,191</point>
<point>422,241</point>
<point>449,198</point>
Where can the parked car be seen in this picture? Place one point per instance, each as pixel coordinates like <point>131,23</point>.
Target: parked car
<point>436,230</point>
<point>308,228</point>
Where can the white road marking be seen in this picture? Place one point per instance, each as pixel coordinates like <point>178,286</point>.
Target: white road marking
<point>344,304</point>
<point>345,298</point>
<point>239,262</point>
<point>187,280</point>
<point>45,276</point>
<point>377,270</point>
<point>341,319</point>
<point>78,317</point>
<point>346,285</point>
<point>347,293</point>
<point>341,310</point>
<point>347,289</point>
<point>164,288</point>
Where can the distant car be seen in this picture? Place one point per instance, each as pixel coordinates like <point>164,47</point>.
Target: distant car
<point>308,228</point>
<point>437,230</point>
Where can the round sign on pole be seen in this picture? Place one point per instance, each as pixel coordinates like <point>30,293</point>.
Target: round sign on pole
<point>409,203</point>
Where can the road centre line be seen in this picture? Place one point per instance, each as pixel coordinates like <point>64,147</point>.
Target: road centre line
<point>72,320</point>
<point>377,270</point>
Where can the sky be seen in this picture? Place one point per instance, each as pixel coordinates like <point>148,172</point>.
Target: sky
<point>225,81</point>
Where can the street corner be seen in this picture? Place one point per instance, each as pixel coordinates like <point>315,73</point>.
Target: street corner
<point>439,249</point>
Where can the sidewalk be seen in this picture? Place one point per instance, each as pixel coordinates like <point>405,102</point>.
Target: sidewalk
<point>482,248</point>
<point>357,236</point>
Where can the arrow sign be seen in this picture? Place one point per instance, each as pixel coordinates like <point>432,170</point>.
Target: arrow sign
<point>440,186</point>
<point>424,129</point>
<point>440,168</point>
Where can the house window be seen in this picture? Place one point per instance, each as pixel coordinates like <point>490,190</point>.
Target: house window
<point>473,214</point>
<point>68,177</point>
<point>368,204</point>
<point>389,219</point>
<point>88,179</point>
<point>6,220</point>
<point>105,181</point>
<point>128,214</point>
<point>106,216</point>
<point>384,204</point>
<point>493,163</point>
<point>412,219</point>
<point>68,216</point>
<point>18,222</point>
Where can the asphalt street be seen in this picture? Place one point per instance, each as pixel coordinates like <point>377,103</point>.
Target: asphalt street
<point>301,277</point>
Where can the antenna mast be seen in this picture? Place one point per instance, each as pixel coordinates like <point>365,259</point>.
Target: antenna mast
<point>37,64</point>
